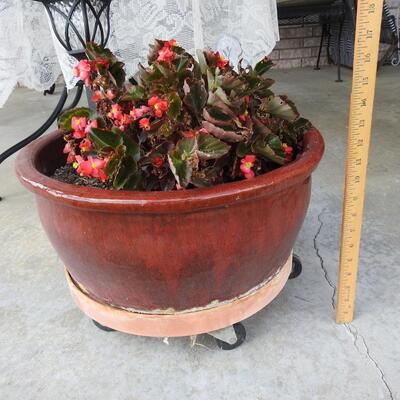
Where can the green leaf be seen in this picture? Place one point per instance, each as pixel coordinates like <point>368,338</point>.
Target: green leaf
<point>132,148</point>
<point>280,106</point>
<point>210,80</point>
<point>149,75</point>
<point>186,147</point>
<point>204,178</point>
<point>118,73</point>
<point>105,139</point>
<point>180,160</point>
<point>137,93</point>
<point>112,166</point>
<point>133,181</point>
<point>165,71</point>
<point>165,129</point>
<point>180,63</point>
<point>64,120</point>
<point>175,106</point>
<point>195,96</point>
<point>222,96</point>
<point>275,143</point>
<point>202,61</point>
<point>115,160</point>
<point>263,66</point>
<point>260,128</point>
<point>94,51</point>
<point>209,147</point>
<point>127,169</point>
<point>116,130</point>
<point>218,114</point>
<point>261,148</point>
<point>242,150</point>
<point>182,169</point>
<point>301,124</point>
<point>252,80</point>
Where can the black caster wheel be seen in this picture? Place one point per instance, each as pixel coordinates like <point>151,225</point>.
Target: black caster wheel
<point>296,267</point>
<point>102,327</point>
<point>240,332</point>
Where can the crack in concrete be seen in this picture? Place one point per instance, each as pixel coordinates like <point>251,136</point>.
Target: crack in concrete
<point>383,378</point>
<point>352,330</point>
<point>321,260</point>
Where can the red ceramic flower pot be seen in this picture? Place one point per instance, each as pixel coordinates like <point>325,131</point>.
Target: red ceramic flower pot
<point>158,256</point>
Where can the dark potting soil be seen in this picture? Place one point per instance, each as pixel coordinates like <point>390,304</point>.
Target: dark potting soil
<point>68,174</point>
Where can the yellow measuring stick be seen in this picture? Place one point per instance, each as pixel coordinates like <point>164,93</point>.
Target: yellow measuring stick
<point>368,27</point>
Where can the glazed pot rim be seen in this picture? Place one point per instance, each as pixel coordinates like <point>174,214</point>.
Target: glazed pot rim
<point>172,201</point>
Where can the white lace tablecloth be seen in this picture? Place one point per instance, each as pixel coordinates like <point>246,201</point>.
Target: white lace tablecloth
<point>29,56</point>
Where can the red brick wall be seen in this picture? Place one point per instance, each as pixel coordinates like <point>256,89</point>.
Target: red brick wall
<point>298,47</point>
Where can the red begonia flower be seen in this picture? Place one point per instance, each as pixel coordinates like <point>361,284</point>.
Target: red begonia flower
<point>158,162</point>
<point>144,123</point>
<point>221,60</point>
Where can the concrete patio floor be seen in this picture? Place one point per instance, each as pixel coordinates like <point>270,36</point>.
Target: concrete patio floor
<point>294,350</point>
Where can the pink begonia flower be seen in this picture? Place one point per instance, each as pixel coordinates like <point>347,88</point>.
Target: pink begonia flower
<point>67,148</point>
<point>139,112</point>
<point>70,151</point>
<point>79,134</point>
<point>144,123</point>
<point>115,112</point>
<point>159,106</point>
<point>97,96</point>
<point>165,53</point>
<point>71,157</point>
<point>246,164</point>
<point>91,124</point>
<point>110,94</point>
<point>123,121</point>
<point>153,100</point>
<point>83,71</point>
<point>78,125</point>
<point>82,166</point>
<point>92,167</point>
<point>85,145</point>
<point>171,43</point>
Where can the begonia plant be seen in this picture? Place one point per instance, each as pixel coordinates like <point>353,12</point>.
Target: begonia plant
<point>183,123</point>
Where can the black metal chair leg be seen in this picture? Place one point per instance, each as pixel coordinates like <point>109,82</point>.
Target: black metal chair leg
<point>320,46</point>
<point>50,90</point>
<point>328,44</point>
<point>78,95</point>
<point>339,60</point>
